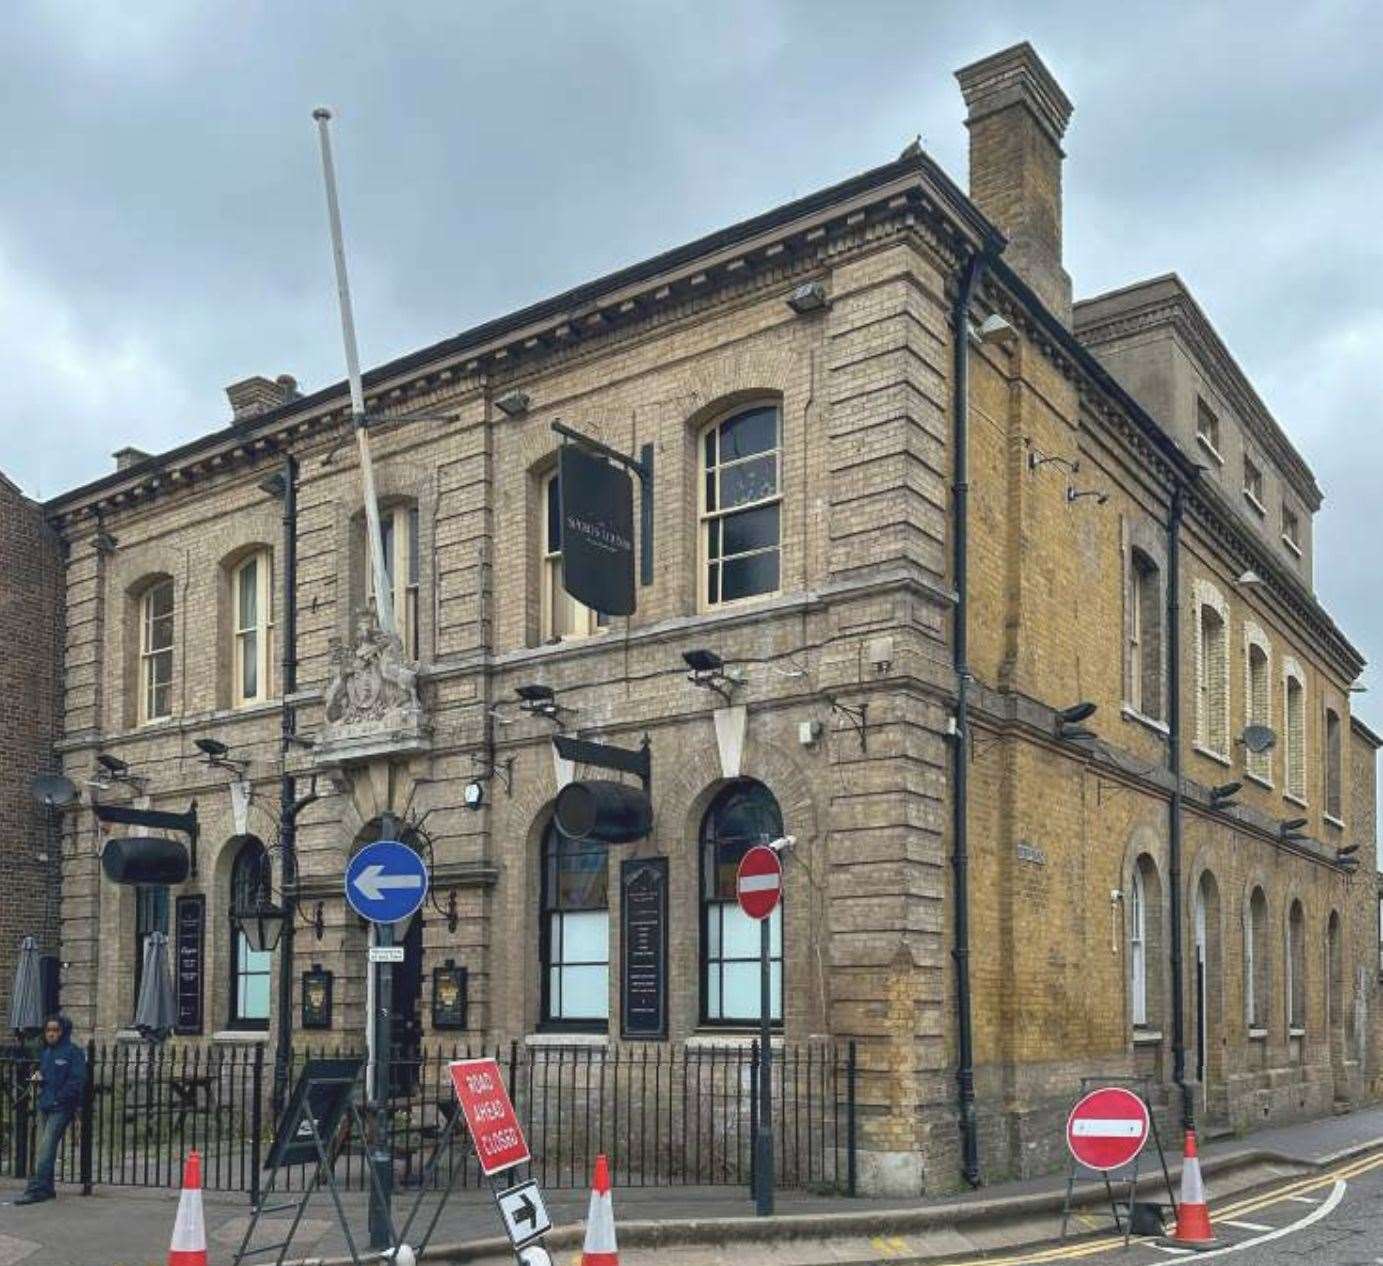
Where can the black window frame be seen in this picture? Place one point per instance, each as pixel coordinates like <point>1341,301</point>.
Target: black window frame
<point>252,853</point>
<point>145,896</point>
<point>550,848</point>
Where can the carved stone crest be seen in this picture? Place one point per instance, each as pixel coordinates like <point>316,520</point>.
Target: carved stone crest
<point>373,688</point>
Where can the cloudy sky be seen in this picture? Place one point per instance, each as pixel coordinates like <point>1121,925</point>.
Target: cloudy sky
<point>162,230</point>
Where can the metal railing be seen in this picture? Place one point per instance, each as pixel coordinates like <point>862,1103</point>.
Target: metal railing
<point>665,1115</point>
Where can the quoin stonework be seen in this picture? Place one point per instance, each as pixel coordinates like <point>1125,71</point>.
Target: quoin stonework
<point>806,380</point>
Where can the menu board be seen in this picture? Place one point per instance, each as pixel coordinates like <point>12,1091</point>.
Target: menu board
<point>643,941</point>
<point>190,928</point>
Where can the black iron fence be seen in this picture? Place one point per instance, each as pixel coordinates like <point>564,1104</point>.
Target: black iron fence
<point>664,1115</point>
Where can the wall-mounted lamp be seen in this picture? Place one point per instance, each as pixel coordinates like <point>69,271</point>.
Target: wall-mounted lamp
<point>218,755</point>
<point>1074,494</point>
<point>708,671</point>
<point>105,543</point>
<point>1289,829</point>
<point>275,485</point>
<point>995,329</point>
<point>541,701</point>
<point>117,770</point>
<point>1068,722</point>
<point>808,297</point>
<point>513,403</point>
<point>1222,797</point>
<point>1037,458</point>
<point>1248,579</point>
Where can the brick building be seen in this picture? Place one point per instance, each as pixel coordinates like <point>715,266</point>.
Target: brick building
<point>31,630</point>
<point>797,377</point>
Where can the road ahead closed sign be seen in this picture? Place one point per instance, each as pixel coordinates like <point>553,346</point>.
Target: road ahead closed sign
<point>495,1130</point>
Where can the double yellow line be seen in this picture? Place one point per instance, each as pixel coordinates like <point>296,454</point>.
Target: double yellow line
<point>1068,1252</point>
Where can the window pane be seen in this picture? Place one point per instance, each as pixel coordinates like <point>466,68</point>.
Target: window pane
<point>775,990</point>
<point>249,594</point>
<point>249,665</point>
<point>750,575</point>
<point>713,1011</point>
<point>710,448</point>
<point>741,933</point>
<point>585,937</point>
<point>741,991</point>
<point>581,876</point>
<point>713,583</point>
<point>552,543</point>
<point>386,528</point>
<point>753,432</point>
<point>748,481</point>
<point>713,931</point>
<point>713,529</point>
<point>710,490</point>
<point>585,994</point>
<point>161,668</point>
<point>750,530</point>
<point>161,600</point>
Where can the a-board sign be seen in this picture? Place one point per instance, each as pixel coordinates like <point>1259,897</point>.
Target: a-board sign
<point>524,1213</point>
<point>597,531</point>
<point>484,1101</point>
<point>759,881</point>
<point>1107,1128</point>
<point>322,1094</point>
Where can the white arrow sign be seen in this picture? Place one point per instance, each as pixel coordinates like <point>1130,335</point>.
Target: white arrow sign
<point>373,882</point>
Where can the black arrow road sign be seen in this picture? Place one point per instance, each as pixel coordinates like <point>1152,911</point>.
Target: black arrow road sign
<point>524,1213</point>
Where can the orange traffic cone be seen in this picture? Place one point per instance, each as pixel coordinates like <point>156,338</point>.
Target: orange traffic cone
<point>189,1231</point>
<point>600,1248</point>
<point>1193,1215</point>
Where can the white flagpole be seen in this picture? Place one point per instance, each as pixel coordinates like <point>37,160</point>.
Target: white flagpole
<point>384,597</point>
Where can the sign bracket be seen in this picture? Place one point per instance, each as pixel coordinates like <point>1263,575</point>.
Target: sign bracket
<point>584,752</point>
<point>643,468</point>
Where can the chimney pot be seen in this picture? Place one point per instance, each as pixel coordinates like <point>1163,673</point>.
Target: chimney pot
<point>129,456</point>
<point>1017,116</point>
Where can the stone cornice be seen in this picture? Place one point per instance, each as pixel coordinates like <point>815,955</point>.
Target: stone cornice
<point>1170,304</point>
<point>910,194</point>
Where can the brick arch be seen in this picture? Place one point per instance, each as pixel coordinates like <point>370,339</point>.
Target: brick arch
<point>133,575</point>
<point>743,372</point>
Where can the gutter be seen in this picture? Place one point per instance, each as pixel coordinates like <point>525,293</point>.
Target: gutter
<point>960,742</point>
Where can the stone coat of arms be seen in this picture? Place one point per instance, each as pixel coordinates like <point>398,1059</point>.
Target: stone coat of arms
<point>373,686</point>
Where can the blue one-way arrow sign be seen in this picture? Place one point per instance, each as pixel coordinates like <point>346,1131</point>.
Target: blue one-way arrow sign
<point>385,882</point>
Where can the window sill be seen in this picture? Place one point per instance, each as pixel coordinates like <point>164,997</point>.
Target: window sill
<point>1210,448</point>
<point>1331,820</point>
<point>1291,545</point>
<point>1130,713</point>
<point>1295,799</point>
<point>709,1041</point>
<point>1258,507</point>
<point>591,1040</point>
<point>1266,783</point>
<point>1210,754</point>
<point>1295,1032</point>
<point>1147,1037</point>
<point>1258,1035</point>
<point>244,1037</point>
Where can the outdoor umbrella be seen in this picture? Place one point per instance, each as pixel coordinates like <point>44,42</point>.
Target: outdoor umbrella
<point>156,1012</point>
<point>26,1003</point>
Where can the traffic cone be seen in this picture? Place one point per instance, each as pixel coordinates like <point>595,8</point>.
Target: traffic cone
<point>189,1230</point>
<point>1193,1215</point>
<point>600,1248</point>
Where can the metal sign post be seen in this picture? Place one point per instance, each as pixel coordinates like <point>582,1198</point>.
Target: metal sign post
<point>759,887</point>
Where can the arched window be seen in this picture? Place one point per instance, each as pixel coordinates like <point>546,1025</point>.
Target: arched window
<point>1256,961</point>
<point>743,814</point>
<point>156,652</point>
<point>1294,717</point>
<point>1259,764</point>
<point>1296,967</point>
<point>1145,636</point>
<point>562,615</point>
<point>252,656</point>
<point>1333,760</point>
<point>398,526</point>
<point>1212,699</point>
<point>1138,948</point>
<point>249,983</point>
<point>575,931</point>
<point>740,497</point>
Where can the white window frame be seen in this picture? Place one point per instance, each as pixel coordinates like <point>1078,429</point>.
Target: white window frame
<point>1206,595</point>
<point>148,654</point>
<point>1294,767</point>
<point>1251,963</point>
<point>706,518</point>
<point>261,629</point>
<point>579,620</point>
<point>1138,949</point>
<point>1258,765</point>
<point>399,526</point>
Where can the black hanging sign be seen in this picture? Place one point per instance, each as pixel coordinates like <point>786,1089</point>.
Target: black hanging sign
<point>597,523</point>
<point>643,939</point>
<point>190,927</point>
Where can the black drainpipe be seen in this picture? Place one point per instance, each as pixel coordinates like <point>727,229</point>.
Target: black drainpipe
<point>1188,1107</point>
<point>960,745</point>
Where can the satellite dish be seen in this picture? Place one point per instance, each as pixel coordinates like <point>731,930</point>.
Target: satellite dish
<point>53,790</point>
<point>1259,738</point>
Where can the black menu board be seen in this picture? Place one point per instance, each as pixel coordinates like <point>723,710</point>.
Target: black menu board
<point>190,926</point>
<point>643,941</point>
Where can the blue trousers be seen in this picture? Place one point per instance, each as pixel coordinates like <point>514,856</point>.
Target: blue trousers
<point>51,1129</point>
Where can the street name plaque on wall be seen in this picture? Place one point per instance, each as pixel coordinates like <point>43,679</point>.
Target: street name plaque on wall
<point>190,925</point>
<point>643,922</point>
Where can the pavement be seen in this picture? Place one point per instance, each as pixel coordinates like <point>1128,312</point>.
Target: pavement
<point>696,1226</point>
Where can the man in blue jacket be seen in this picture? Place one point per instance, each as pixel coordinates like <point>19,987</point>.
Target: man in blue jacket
<point>61,1080</point>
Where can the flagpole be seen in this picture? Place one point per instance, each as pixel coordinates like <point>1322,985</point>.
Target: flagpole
<point>384,597</point>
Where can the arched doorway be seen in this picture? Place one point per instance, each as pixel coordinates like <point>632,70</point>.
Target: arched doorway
<point>1208,974</point>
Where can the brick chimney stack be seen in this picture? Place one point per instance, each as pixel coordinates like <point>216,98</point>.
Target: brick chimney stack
<point>1017,117</point>
<point>252,396</point>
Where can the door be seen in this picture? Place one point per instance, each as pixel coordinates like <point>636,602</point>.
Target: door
<point>1201,1036</point>
<point>408,1014</point>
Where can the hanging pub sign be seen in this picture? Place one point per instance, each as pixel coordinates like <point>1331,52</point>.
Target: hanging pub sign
<point>189,923</point>
<point>643,936</point>
<point>317,989</point>
<point>449,996</point>
<point>596,505</point>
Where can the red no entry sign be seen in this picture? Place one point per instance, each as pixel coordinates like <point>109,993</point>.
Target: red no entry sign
<point>1107,1128</point>
<point>759,882</point>
<point>495,1130</point>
